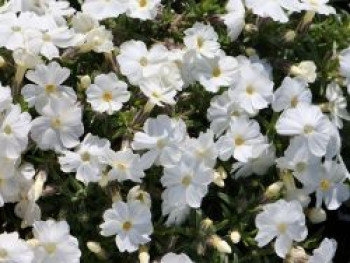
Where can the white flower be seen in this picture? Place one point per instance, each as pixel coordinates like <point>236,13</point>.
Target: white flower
<point>83,23</point>
<point>274,9</point>
<point>26,59</point>
<point>9,187</point>
<point>137,63</point>
<point>30,192</point>
<point>101,9</point>
<point>344,61</point>
<point>125,165</point>
<point>337,104</point>
<point>203,40</point>
<point>59,127</point>
<point>283,220</point>
<point>325,252</point>
<point>98,39</point>
<point>48,85</point>
<point>107,94</point>
<point>235,18</point>
<point>85,160</point>
<point>186,182</point>
<point>318,6</point>
<point>175,258</point>
<point>308,122</point>
<point>254,90</point>
<point>304,165</point>
<point>12,28</point>
<point>49,41</point>
<point>263,158</point>
<point>143,9</point>
<point>162,137</point>
<point>240,141</point>
<point>130,222</point>
<point>330,186</point>
<point>14,250</point>
<point>223,110</point>
<point>14,128</point>
<point>305,70</point>
<point>217,72</point>
<point>202,149</point>
<point>291,92</point>
<point>156,93</point>
<point>55,244</point>
<point>5,97</point>
<point>137,194</point>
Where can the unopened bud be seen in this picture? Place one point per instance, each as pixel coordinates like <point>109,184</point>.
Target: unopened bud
<point>250,52</point>
<point>221,245</point>
<point>250,28</point>
<point>96,248</point>
<point>290,36</point>
<point>206,223</point>
<point>305,70</point>
<point>85,81</point>
<point>317,215</point>
<point>235,237</point>
<point>273,190</point>
<point>297,255</point>
<point>219,176</point>
<point>144,255</point>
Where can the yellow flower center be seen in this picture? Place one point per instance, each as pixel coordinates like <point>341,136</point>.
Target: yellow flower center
<point>282,228</point>
<point>127,226</point>
<point>200,42</point>
<point>56,123</point>
<point>143,3</point>
<point>50,248</point>
<point>7,129</point>
<point>250,90</point>
<point>325,185</point>
<point>186,181</point>
<point>308,129</point>
<point>85,157</point>
<point>50,88</point>
<point>121,166</point>
<point>107,96</point>
<point>46,37</point>
<point>294,101</point>
<point>143,61</point>
<point>161,144</point>
<point>239,141</point>
<point>16,28</point>
<point>3,253</point>
<point>216,72</point>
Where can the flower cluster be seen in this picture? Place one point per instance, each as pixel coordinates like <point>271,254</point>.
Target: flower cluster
<point>160,139</point>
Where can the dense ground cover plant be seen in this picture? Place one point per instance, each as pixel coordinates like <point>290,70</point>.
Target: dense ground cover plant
<point>174,131</point>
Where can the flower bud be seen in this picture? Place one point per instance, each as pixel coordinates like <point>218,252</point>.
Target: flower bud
<point>305,70</point>
<point>206,223</point>
<point>250,52</point>
<point>273,190</point>
<point>219,176</point>
<point>221,245</point>
<point>317,215</point>
<point>290,36</point>
<point>297,255</point>
<point>235,237</point>
<point>96,248</point>
<point>144,255</point>
<point>250,28</point>
<point>85,81</point>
